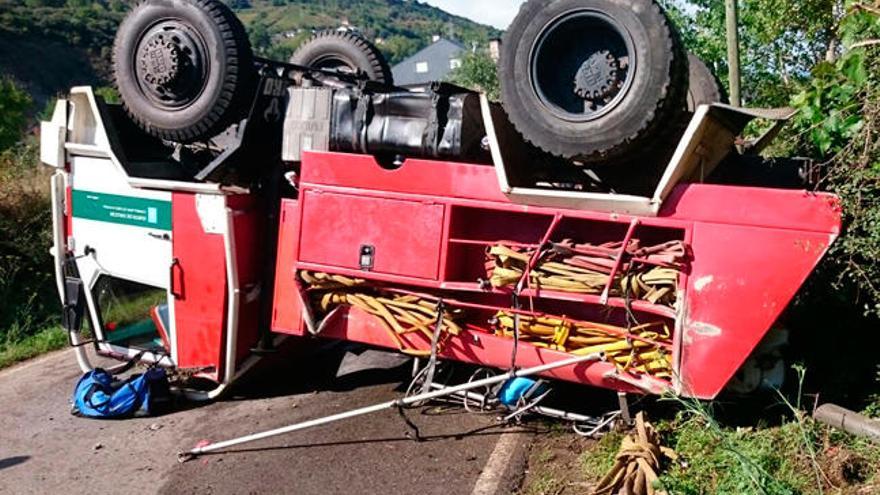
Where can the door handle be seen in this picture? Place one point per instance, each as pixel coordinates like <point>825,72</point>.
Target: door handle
<point>176,274</point>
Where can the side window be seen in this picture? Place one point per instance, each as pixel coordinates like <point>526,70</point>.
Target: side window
<point>132,315</point>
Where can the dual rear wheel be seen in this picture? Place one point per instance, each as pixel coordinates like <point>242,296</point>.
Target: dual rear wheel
<point>598,80</point>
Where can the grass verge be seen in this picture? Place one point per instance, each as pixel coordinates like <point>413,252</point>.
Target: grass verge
<point>47,340</point>
<point>791,455</point>
<point>768,459</point>
<point>28,298</point>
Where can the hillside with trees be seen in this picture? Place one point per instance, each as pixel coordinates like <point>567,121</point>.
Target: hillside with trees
<point>398,27</point>
<point>49,45</point>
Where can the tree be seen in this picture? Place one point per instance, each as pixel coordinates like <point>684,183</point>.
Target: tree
<point>238,4</point>
<point>14,106</point>
<point>260,36</point>
<point>781,41</point>
<point>838,124</point>
<point>396,48</point>
<point>478,72</point>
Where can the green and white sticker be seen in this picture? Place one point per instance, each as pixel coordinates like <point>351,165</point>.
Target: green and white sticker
<point>125,210</point>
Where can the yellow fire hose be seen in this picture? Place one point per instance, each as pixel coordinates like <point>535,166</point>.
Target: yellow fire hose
<point>585,269</point>
<point>640,349</point>
<point>637,464</point>
<point>399,315</point>
<point>645,356</point>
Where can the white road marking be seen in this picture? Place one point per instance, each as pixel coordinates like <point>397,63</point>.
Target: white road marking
<point>490,479</point>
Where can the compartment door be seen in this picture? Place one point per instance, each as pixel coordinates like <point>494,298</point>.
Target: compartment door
<point>388,236</point>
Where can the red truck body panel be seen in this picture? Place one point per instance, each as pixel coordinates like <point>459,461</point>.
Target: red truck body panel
<point>430,222</point>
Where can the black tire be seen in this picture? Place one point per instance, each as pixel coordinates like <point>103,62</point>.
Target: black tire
<point>642,95</point>
<point>200,76</point>
<point>344,50</point>
<point>704,86</point>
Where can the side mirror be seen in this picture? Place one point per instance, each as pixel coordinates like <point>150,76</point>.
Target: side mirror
<point>74,306</point>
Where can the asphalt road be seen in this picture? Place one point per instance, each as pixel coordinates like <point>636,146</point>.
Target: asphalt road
<point>43,449</point>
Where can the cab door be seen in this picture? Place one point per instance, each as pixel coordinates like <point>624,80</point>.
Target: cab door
<point>122,240</point>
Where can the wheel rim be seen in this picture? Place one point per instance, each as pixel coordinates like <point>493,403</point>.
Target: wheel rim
<point>582,65</point>
<point>171,64</point>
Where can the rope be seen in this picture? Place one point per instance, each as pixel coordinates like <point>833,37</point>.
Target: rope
<point>637,463</point>
<point>651,274</point>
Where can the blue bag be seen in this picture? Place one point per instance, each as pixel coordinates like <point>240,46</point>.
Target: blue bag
<point>517,389</point>
<point>99,395</point>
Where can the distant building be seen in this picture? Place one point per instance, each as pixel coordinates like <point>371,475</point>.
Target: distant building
<point>433,63</point>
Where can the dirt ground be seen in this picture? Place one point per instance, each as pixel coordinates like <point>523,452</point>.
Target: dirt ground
<point>555,465</point>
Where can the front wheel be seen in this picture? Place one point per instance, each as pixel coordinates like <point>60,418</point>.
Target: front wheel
<point>184,68</point>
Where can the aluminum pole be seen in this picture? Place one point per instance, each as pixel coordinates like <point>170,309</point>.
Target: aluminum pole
<point>406,401</point>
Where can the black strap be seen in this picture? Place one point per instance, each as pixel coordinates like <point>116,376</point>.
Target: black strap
<point>130,364</point>
<point>517,320</point>
<point>435,346</point>
<point>413,432</point>
<point>88,397</point>
<point>359,129</point>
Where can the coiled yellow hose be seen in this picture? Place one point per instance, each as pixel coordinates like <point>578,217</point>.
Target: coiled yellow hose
<point>643,352</point>
<point>565,268</point>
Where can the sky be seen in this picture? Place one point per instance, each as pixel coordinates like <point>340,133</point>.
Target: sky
<point>498,13</point>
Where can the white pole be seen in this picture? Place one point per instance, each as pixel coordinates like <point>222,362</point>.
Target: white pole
<point>185,456</point>
<point>546,411</point>
<point>59,251</point>
<point>234,296</point>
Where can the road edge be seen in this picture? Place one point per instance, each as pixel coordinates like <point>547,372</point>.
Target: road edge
<point>505,469</point>
<point>34,361</point>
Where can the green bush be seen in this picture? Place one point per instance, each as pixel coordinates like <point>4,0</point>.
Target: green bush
<point>478,72</point>
<point>14,107</point>
<point>28,298</point>
<point>32,346</point>
<point>838,123</point>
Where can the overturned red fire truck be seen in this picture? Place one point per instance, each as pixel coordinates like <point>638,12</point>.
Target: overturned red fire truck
<point>234,201</point>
